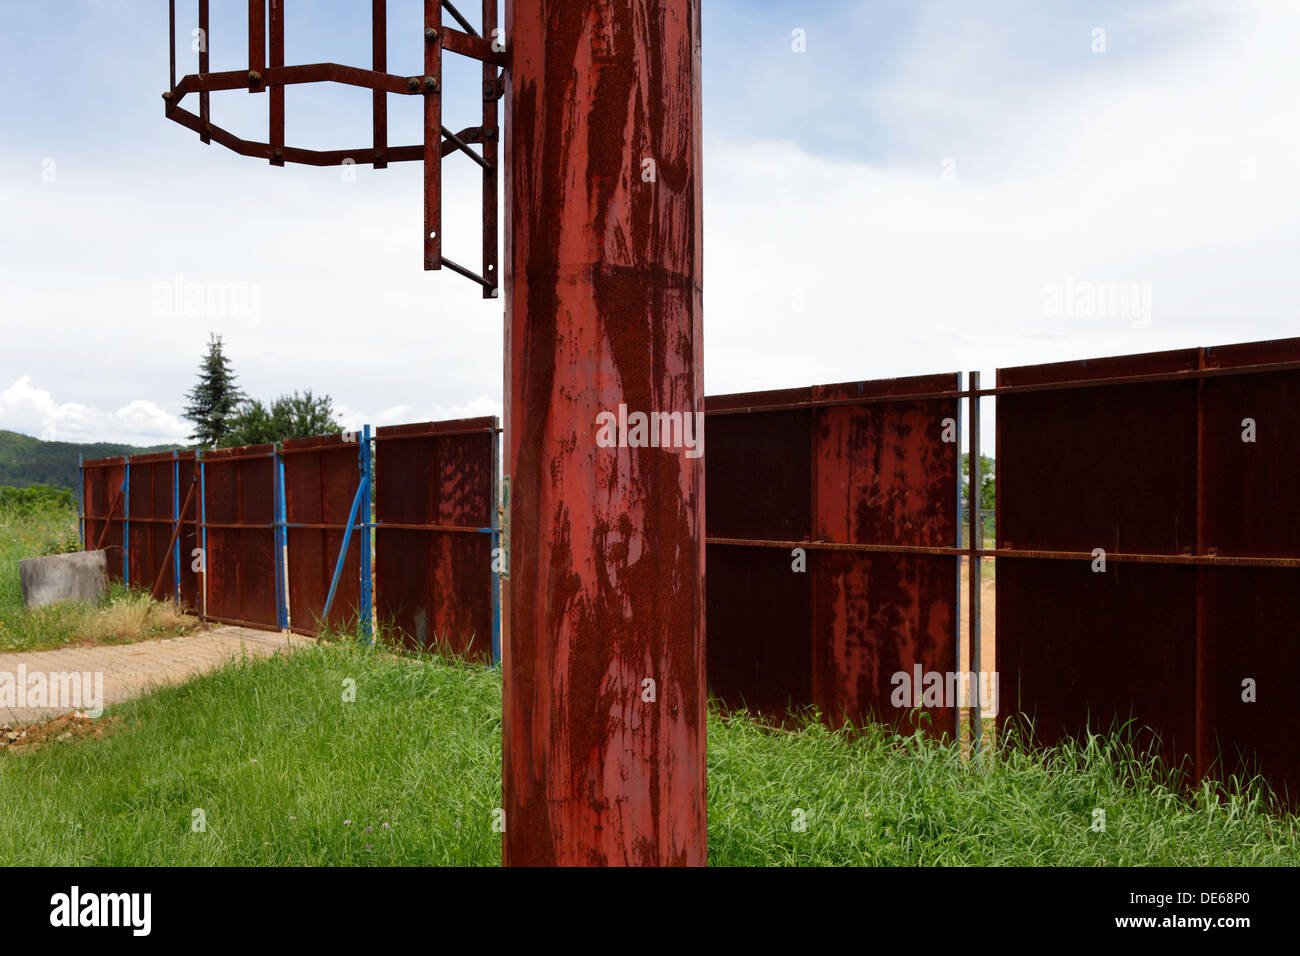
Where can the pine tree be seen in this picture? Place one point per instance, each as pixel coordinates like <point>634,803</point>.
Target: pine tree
<point>214,399</point>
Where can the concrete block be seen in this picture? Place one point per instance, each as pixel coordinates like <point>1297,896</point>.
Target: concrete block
<point>80,576</point>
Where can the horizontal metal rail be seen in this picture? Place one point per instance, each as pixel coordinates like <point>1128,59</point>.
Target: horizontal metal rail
<point>1187,560</point>
<point>254,625</point>
<point>940,550</point>
<point>1068,385</point>
<point>437,434</point>
<point>322,526</point>
<point>459,529</point>
<point>348,446</point>
<point>224,459</point>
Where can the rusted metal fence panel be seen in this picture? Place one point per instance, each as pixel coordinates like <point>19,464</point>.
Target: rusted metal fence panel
<point>103,496</point>
<point>1250,506</point>
<point>1113,468</point>
<point>1179,468</point>
<point>157,545</point>
<point>435,531</point>
<point>190,542</point>
<point>239,525</point>
<point>321,479</point>
<point>279,536</point>
<point>832,569</point>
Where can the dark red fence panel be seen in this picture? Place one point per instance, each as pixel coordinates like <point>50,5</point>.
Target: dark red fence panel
<point>190,542</point>
<point>321,479</point>
<point>1201,533</point>
<point>156,496</point>
<point>435,515</point>
<point>239,528</point>
<point>1110,467</point>
<point>859,477</point>
<point>104,509</point>
<point>1250,506</point>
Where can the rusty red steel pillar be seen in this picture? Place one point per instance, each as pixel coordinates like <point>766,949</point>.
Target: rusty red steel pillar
<point>606,544</point>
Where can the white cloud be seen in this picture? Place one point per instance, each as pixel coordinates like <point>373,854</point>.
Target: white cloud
<point>1181,171</point>
<point>1177,166</point>
<point>30,410</point>
<point>480,407</point>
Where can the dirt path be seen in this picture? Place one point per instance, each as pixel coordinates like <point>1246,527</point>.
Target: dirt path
<point>128,670</point>
<point>988,609</point>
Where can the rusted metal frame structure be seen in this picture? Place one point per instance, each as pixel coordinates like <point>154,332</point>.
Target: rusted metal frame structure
<point>862,478</point>
<point>240,531</point>
<point>436,533</point>
<point>156,514</point>
<point>316,486</point>
<point>151,500</point>
<point>96,479</point>
<point>267,72</point>
<point>1200,599</point>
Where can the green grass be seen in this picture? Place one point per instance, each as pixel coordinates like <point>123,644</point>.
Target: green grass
<point>279,764</point>
<point>121,616</point>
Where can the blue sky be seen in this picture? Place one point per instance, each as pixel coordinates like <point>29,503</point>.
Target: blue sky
<point>900,197</point>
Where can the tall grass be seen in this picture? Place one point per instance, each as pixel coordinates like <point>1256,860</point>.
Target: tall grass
<point>33,528</point>
<point>287,772</point>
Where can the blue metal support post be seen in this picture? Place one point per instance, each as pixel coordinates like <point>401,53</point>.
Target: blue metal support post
<point>278,539</point>
<point>202,600</point>
<point>176,520</point>
<point>282,542</point>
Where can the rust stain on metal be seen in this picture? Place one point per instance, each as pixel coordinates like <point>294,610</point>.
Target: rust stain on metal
<point>1202,528</point>
<point>434,496</point>
<point>607,544</point>
<point>104,508</point>
<point>858,476</point>
<point>240,515</point>
<point>320,481</point>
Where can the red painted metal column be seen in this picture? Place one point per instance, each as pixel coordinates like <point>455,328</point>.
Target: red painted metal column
<point>603,308</point>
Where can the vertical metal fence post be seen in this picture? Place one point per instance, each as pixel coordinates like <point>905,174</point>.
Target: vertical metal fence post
<point>367,504</point>
<point>282,549</point>
<point>126,521</point>
<point>1203,737</point>
<point>956,618</point>
<point>974,544</point>
<point>496,544</point>
<point>202,599</point>
<point>176,520</point>
<point>81,501</point>
<point>278,536</point>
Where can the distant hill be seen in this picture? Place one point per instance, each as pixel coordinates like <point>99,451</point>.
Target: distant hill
<point>25,460</point>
